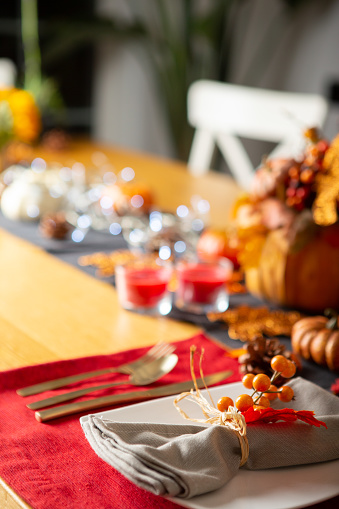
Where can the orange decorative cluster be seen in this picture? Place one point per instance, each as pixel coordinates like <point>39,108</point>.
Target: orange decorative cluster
<point>20,116</point>
<point>246,322</point>
<point>105,263</point>
<point>264,390</point>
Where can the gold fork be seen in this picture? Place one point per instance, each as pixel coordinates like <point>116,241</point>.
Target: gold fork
<point>145,374</point>
<point>157,351</point>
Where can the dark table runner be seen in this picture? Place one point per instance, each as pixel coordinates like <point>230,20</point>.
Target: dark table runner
<point>95,241</point>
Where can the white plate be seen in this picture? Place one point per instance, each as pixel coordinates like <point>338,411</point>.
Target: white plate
<point>280,488</point>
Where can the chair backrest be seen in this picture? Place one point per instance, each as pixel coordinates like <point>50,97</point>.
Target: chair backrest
<point>221,113</point>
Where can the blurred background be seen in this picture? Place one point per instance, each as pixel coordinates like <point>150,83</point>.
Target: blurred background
<point>118,71</point>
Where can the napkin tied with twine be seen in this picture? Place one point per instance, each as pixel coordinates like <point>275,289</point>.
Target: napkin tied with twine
<point>185,460</point>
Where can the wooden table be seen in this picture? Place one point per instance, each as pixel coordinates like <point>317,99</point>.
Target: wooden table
<point>50,310</point>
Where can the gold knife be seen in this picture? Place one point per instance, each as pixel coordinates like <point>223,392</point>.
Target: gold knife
<point>166,390</point>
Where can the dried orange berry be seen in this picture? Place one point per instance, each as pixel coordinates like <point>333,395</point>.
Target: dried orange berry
<point>270,395</point>
<point>312,134</point>
<point>263,401</point>
<point>243,402</point>
<point>247,380</point>
<point>290,370</point>
<point>286,394</point>
<point>258,407</point>
<point>307,176</point>
<point>224,403</point>
<point>279,363</point>
<point>261,382</point>
<point>293,172</point>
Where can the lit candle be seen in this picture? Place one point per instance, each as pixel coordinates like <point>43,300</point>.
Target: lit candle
<point>201,286</point>
<point>143,285</point>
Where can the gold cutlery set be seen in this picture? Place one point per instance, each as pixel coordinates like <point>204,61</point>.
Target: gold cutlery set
<point>156,363</point>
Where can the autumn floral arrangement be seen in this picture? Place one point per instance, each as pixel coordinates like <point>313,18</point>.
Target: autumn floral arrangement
<point>286,230</point>
<point>19,116</point>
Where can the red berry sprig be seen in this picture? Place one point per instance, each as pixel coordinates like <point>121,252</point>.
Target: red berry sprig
<point>300,180</point>
<point>264,390</point>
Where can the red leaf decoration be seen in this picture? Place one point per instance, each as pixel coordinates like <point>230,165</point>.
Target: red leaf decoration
<point>285,414</point>
<point>335,387</point>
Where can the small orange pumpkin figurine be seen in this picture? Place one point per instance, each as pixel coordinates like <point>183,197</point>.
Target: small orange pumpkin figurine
<point>317,338</point>
<point>127,197</point>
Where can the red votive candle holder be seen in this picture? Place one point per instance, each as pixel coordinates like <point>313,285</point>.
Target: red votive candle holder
<point>201,285</point>
<point>142,285</point>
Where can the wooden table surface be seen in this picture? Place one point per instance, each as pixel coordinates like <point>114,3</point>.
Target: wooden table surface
<point>50,310</point>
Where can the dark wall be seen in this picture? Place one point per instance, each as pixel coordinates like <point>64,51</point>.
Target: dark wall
<point>73,72</point>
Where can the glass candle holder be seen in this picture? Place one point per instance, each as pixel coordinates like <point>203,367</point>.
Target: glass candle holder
<point>142,285</point>
<point>201,285</point>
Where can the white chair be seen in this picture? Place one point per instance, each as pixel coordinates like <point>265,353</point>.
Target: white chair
<point>221,113</point>
<point>7,73</point>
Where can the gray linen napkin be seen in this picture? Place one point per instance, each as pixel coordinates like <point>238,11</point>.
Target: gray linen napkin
<point>186,460</point>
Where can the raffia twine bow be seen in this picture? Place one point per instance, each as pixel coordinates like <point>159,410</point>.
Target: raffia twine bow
<point>231,418</point>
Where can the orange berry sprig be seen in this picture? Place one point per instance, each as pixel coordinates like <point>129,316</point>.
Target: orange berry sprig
<point>264,390</point>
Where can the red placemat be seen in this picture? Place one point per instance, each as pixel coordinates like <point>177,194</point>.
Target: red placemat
<point>51,465</point>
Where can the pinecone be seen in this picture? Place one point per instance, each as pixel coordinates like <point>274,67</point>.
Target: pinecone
<point>258,357</point>
<point>54,226</point>
<point>55,139</point>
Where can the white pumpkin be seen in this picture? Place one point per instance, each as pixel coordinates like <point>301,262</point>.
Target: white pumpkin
<point>29,197</point>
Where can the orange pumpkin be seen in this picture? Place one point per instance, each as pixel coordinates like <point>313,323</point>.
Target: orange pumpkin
<point>214,244</point>
<point>302,276</point>
<point>317,338</point>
